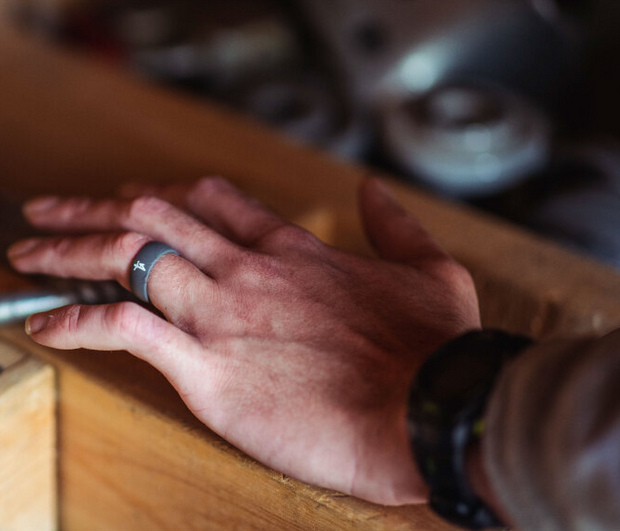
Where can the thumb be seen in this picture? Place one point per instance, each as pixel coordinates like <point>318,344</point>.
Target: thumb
<point>394,233</point>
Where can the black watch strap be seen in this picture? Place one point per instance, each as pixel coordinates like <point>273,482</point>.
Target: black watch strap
<point>446,410</point>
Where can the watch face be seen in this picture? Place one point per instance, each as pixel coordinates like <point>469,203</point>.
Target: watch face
<point>446,408</point>
<point>463,370</point>
<point>459,378</point>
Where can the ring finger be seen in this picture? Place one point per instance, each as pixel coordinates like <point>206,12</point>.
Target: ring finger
<point>108,256</point>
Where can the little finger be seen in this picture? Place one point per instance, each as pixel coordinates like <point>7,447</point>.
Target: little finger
<point>120,326</point>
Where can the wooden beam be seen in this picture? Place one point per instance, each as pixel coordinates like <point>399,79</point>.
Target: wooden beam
<point>133,457</point>
<point>28,442</point>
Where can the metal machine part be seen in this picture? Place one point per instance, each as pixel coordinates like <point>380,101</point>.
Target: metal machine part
<point>306,108</point>
<point>466,140</point>
<point>393,47</point>
<point>222,57</point>
<point>432,73</point>
<point>251,57</point>
<point>17,306</point>
<point>581,206</point>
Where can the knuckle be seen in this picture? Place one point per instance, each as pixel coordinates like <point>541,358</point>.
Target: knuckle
<point>255,269</point>
<point>126,244</point>
<point>455,275</point>
<point>72,318</point>
<point>74,207</point>
<point>212,183</point>
<point>145,207</point>
<point>259,272</point>
<point>62,246</point>
<point>289,236</point>
<point>122,319</point>
<point>270,267</point>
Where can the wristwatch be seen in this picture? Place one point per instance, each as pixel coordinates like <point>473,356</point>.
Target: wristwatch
<point>446,414</point>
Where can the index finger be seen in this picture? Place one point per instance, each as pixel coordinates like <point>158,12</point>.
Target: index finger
<point>219,204</point>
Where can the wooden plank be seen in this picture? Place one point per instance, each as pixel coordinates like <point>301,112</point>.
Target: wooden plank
<point>28,442</point>
<point>132,456</point>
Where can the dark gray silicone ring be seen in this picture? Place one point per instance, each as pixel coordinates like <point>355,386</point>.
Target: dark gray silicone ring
<point>142,265</point>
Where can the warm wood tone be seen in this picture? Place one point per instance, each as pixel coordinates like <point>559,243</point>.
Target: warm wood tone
<point>131,455</point>
<point>27,442</point>
<point>133,458</point>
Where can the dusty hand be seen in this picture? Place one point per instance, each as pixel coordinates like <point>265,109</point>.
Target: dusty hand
<point>298,353</point>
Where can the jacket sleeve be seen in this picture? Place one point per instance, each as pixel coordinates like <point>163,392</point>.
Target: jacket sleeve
<point>551,447</point>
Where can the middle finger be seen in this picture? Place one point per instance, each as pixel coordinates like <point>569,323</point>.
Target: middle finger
<point>150,216</point>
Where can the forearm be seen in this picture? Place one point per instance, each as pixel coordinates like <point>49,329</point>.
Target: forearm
<point>550,414</point>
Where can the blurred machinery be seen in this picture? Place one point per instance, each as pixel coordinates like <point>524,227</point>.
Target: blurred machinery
<point>450,84</point>
<point>487,101</point>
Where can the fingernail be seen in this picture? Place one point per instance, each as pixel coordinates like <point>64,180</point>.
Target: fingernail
<point>36,323</point>
<point>40,205</point>
<point>23,247</point>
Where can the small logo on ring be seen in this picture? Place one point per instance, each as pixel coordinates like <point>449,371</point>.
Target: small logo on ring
<point>139,265</point>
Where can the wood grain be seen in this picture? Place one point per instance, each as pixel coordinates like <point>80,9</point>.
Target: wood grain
<point>131,455</point>
<point>127,464</point>
<point>28,442</point>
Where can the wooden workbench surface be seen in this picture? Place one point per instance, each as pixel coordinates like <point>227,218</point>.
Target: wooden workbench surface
<point>131,455</point>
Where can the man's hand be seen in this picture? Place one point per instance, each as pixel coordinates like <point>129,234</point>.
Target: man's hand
<point>298,353</point>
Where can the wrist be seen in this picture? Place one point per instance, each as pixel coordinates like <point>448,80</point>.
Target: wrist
<point>446,417</point>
